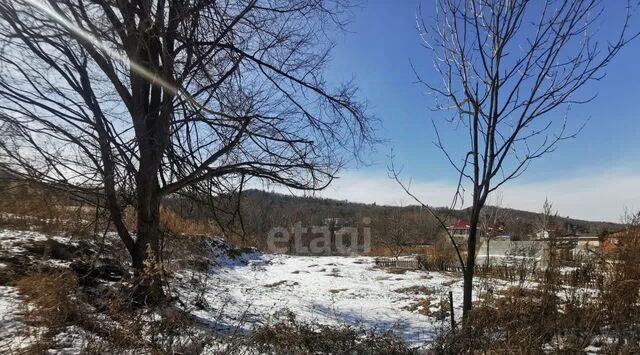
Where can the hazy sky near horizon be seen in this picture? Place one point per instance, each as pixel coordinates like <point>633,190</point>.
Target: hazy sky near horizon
<point>594,176</point>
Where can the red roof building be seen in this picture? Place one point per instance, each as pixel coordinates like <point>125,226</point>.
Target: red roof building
<point>460,230</point>
<point>460,225</point>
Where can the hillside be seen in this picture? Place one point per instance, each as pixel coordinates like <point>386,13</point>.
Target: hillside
<point>315,209</point>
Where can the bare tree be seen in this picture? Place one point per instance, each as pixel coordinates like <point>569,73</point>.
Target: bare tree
<point>547,220</point>
<point>134,100</point>
<point>506,66</point>
<point>395,234</point>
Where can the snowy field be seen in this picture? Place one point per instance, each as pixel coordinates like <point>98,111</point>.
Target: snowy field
<point>329,290</point>
<point>243,292</point>
<point>14,334</point>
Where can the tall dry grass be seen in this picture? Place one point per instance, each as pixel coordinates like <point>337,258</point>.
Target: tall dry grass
<point>174,224</point>
<point>27,206</point>
<point>56,302</point>
<point>558,313</point>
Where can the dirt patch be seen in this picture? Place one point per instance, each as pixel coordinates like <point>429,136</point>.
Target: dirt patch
<point>415,290</point>
<point>280,283</point>
<point>14,266</point>
<point>421,306</point>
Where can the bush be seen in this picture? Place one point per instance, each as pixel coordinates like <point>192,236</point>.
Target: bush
<point>290,336</point>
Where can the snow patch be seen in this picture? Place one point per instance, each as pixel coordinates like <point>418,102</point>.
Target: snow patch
<point>14,335</point>
<point>334,290</point>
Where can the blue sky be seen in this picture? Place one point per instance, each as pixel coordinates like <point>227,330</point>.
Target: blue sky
<point>593,176</point>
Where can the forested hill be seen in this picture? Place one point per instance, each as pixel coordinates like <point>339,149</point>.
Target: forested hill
<point>316,210</point>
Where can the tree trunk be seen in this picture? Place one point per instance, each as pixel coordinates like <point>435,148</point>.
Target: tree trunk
<point>147,251</point>
<point>148,223</point>
<point>467,293</point>
<point>151,115</point>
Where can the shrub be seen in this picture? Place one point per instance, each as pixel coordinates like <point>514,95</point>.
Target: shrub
<point>52,296</point>
<point>289,336</point>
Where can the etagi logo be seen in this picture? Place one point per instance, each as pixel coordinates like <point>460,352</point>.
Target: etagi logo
<point>320,240</point>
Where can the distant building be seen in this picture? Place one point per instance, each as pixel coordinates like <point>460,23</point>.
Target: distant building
<point>533,254</point>
<point>572,244</point>
<point>542,234</point>
<point>503,237</point>
<point>586,245</point>
<point>460,231</point>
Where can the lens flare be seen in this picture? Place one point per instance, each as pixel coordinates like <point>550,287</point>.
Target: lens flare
<point>112,53</point>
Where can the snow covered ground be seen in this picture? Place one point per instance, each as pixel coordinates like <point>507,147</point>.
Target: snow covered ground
<point>242,291</point>
<point>330,290</point>
<point>13,333</point>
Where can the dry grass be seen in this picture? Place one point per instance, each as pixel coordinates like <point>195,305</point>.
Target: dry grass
<point>517,321</point>
<point>178,225</point>
<point>55,301</point>
<point>30,207</point>
<point>421,306</point>
<point>174,224</point>
<point>53,298</point>
<point>289,336</point>
<point>184,235</point>
<point>443,252</point>
<point>50,306</point>
<point>559,315</point>
<point>26,206</point>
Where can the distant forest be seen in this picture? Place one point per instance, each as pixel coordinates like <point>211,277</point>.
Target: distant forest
<point>256,212</point>
<point>248,217</point>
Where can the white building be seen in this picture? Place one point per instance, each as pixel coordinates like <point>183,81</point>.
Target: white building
<point>502,252</point>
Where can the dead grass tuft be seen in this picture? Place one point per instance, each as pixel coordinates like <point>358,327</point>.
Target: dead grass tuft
<point>52,296</point>
<point>415,290</point>
<point>422,306</point>
<point>33,207</point>
<point>292,337</point>
<point>174,224</point>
